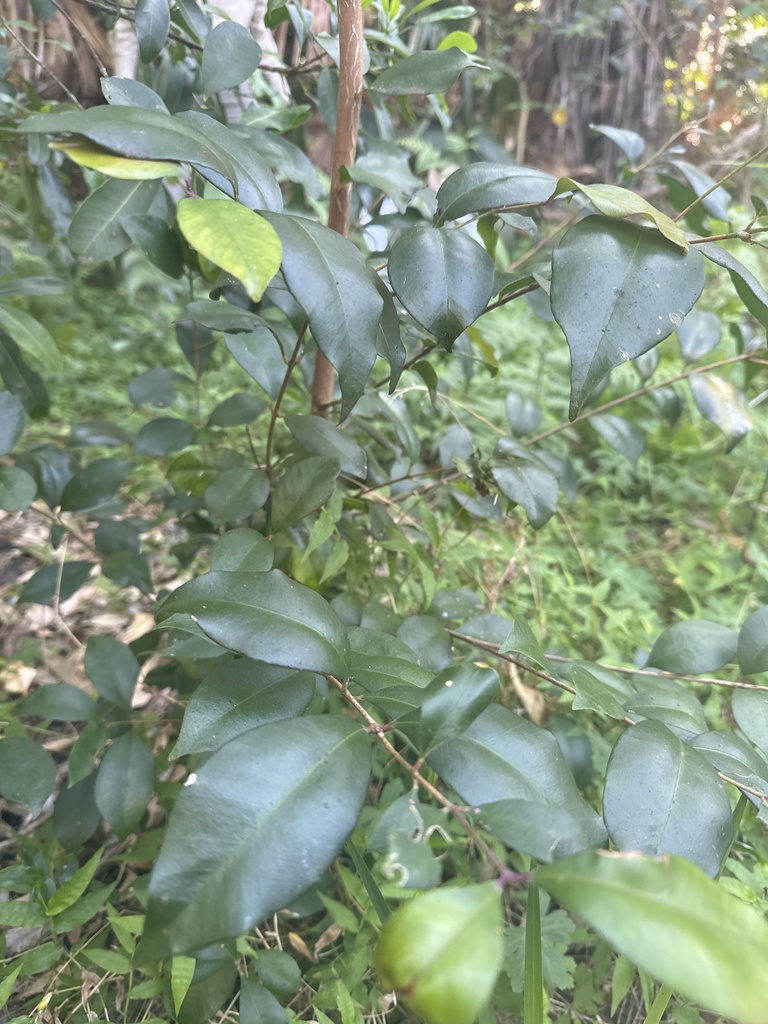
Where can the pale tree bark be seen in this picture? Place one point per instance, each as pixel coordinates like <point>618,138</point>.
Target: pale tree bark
<point>352,50</point>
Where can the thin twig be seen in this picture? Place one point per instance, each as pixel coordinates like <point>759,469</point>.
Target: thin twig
<point>39,63</point>
<point>281,394</point>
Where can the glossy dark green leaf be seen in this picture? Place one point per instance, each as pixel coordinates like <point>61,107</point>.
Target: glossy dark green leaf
<point>752,649</point>
<point>379,661</point>
<point>662,796</point>
<point>242,550</point>
<point>423,73</point>
<point>750,709</point>
<point>95,485</point>
<point>748,288</point>
<point>693,648</point>
<point>257,186</point>
<point>236,494</point>
<point>329,279</point>
<point>152,21</point>
<point>453,700</point>
<point>159,243</point>
<point>164,435</point>
<point>428,638</point>
<point>733,756</point>
<point>127,569</point>
<point>538,828</point>
<point>594,695</point>
<point>521,640</point>
<point>17,489</point>
<point>699,333</point>
<point>265,616</point>
<point>621,434</point>
<point>220,316</point>
<point>443,278</point>
<point>630,143</point>
<point>141,134</point>
<point>442,952</point>
<point>125,92</point>
<point>320,437</point>
<point>671,920</point>
<point>279,972</point>
<point>112,668</point>
<point>196,342</point>
<point>117,535</point>
<point>503,756</point>
<point>239,696</point>
<point>237,410</point>
<point>258,1005</point>
<point>255,827</point>
<point>618,290</point>
<point>260,355</point>
<point>27,772</point>
<point>61,702</point>
<point>31,338</point>
<point>667,701</point>
<point>719,401</point>
<point>387,172</point>
<point>156,387</point>
<point>530,486</point>
<point>125,782</point>
<point>230,56</point>
<point>524,413</point>
<point>97,229</point>
<point>76,816</point>
<point>12,420</point>
<point>99,434</point>
<point>302,489</point>
<point>21,380</point>
<point>488,186</point>
<point>55,582</point>
<point>289,162</point>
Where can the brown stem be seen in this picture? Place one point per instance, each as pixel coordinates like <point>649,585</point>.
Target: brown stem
<point>351,52</point>
<point>279,400</point>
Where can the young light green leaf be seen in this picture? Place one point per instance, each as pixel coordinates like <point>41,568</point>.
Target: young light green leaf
<point>442,952</point>
<point>662,796</point>
<point>671,920</point>
<point>255,827</point>
<point>617,202</point>
<point>70,891</point>
<point>617,290</point>
<point>265,616</point>
<point>693,647</point>
<point>182,972</point>
<point>234,238</point>
<point>443,278</point>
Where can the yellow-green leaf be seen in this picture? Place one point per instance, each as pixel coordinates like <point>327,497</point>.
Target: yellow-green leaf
<point>617,202</point>
<point>182,970</point>
<point>89,154</point>
<point>234,238</point>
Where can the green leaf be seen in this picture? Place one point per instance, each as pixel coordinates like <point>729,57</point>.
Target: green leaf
<point>95,485</point>
<point>70,891</point>
<point>89,154</point>
<point>279,972</point>
<point>258,1005</point>
<point>31,337</point>
<point>320,437</point>
<point>112,668</point>
<point>236,494</point>
<point>220,315</point>
<point>443,278</point>
<point>388,172</point>
<point>159,243</point>
<point>594,695</point>
<point>330,280</point>
<point>164,435</point>
<point>630,143</point>
<point>533,986</point>
<point>672,921</point>
<point>236,411</point>
<point>529,486</point>
<point>750,709</point>
<point>265,616</point>
<point>423,73</point>
<point>524,413</point>
<point>260,355</point>
<point>12,420</point>
<point>55,582</point>
<point>239,696</point>
<point>61,702</point>
<point>614,201</point>
<point>243,550</point>
<point>537,828</point>
<point>717,202</point>
<point>230,56</point>
<point>487,186</point>
<point>617,290</point>
<point>502,756</point>
<point>21,380</point>
<point>234,238</point>
<point>752,649</point>
<point>7,986</point>
<point>125,92</point>
<point>667,701</point>
<point>748,288</point>
<point>521,640</point>
<point>379,661</point>
<point>621,434</point>
<point>76,816</point>
<point>662,796</point>
<point>734,757</point>
<point>258,825</point>
<point>182,972</point>
<point>693,647</point>
<point>125,782</point>
<point>442,952</point>
<point>22,914</point>
<point>17,489</point>
<point>304,487</point>
<point>722,404</point>
<point>27,772</point>
<point>453,700</point>
<point>97,229</point>
<point>698,334</point>
<point>152,21</point>
<point>428,638</point>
